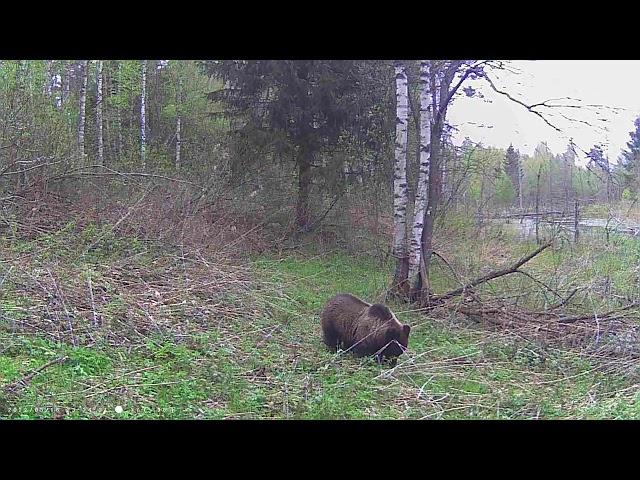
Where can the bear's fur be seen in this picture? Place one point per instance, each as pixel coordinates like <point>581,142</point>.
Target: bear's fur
<point>364,329</point>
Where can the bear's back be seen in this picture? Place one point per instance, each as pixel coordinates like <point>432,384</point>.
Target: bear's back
<point>345,306</point>
<point>339,317</point>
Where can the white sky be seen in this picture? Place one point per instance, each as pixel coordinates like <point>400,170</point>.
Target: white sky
<point>613,83</point>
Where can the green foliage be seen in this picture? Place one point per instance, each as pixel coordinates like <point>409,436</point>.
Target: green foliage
<point>505,191</point>
<point>307,113</point>
<point>630,158</point>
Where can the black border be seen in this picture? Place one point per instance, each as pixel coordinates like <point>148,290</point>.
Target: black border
<point>323,31</point>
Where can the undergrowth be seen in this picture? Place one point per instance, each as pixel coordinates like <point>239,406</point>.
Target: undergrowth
<point>164,331</point>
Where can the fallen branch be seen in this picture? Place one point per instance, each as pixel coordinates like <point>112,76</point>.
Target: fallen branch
<point>563,302</point>
<point>490,276</point>
<point>24,381</point>
<point>605,315</point>
<point>78,172</point>
<point>547,287</point>
<point>122,219</point>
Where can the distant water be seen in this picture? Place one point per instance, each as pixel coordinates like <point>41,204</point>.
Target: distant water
<point>526,227</point>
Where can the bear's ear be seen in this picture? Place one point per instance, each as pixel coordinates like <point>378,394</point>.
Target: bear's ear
<point>406,329</point>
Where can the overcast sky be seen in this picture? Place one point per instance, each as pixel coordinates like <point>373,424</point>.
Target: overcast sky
<point>612,83</point>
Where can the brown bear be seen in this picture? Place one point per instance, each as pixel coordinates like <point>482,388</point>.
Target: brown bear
<point>362,328</point>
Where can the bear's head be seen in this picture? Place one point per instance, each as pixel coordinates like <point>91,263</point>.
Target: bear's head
<point>396,339</point>
<point>395,334</point>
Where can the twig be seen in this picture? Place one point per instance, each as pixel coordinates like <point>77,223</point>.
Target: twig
<point>117,224</point>
<point>64,306</point>
<point>93,305</point>
<point>602,315</point>
<point>24,381</point>
<point>538,282</point>
<point>111,172</point>
<point>563,302</point>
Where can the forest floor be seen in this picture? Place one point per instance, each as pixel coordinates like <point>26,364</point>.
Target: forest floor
<point>99,325</point>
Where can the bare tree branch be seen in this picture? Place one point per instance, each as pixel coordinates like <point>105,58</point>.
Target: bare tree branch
<point>513,99</point>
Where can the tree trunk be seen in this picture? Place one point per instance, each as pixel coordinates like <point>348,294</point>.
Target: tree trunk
<point>479,211</point>
<point>83,105</point>
<point>439,101</point>
<point>304,186</point>
<point>400,180</point>
<point>576,232</point>
<point>66,80</point>
<point>47,77</point>
<point>143,117</point>
<point>520,184</point>
<point>178,141</point>
<point>99,114</point>
<point>429,214</point>
<point>538,205</point>
<point>415,254</point>
<point>120,147</point>
<point>57,85</point>
<point>179,125</point>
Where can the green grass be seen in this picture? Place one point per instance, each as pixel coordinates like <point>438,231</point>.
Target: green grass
<point>273,364</point>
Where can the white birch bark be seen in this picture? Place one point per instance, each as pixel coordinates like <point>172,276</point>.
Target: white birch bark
<point>400,171</point>
<point>83,105</point>
<point>99,98</point>
<point>423,178</point>
<point>56,85</point>
<point>143,117</point>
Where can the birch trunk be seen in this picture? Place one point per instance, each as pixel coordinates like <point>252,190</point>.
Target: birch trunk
<point>143,117</point>
<point>99,114</point>
<point>83,105</point>
<point>429,214</point>
<point>400,179</point>
<point>56,83</point>
<point>415,255</point>
<point>439,103</point>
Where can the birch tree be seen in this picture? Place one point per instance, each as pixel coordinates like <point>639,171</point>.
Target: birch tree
<point>143,117</point>
<point>441,77</point>
<point>400,177</point>
<point>99,122</point>
<point>415,256</point>
<point>83,105</point>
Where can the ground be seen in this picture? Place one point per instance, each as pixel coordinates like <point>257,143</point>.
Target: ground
<point>168,335</point>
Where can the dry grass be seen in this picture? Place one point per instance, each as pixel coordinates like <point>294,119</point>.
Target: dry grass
<point>83,276</point>
<point>165,316</point>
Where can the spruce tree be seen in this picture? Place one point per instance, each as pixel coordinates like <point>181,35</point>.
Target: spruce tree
<point>630,159</point>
